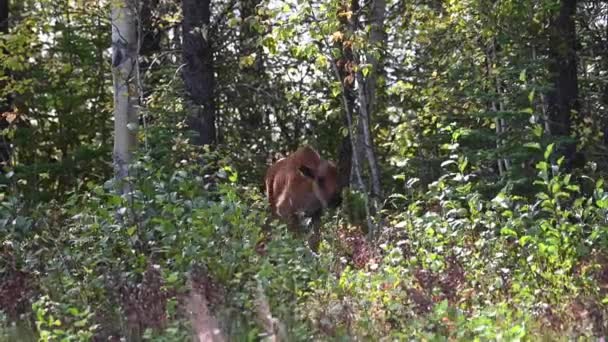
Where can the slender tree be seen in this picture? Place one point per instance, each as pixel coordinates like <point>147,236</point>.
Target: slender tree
<point>5,146</point>
<point>4,16</point>
<point>367,90</point>
<point>362,137</point>
<point>344,69</point>
<point>562,100</point>
<point>349,161</point>
<point>197,73</point>
<point>126,87</point>
<point>496,104</point>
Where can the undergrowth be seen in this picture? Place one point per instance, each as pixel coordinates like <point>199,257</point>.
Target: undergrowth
<point>449,264</point>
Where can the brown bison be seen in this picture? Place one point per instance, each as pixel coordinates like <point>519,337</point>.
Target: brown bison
<point>302,184</point>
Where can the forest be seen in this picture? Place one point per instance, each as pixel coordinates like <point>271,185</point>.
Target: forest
<point>448,184</point>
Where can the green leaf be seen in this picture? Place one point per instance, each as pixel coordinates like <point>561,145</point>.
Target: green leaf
<point>234,22</point>
<point>73,311</point>
<point>602,203</point>
<point>549,151</point>
<point>522,75</point>
<point>524,240</point>
<point>531,95</point>
<point>321,62</point>
<point>173,277</point>
<point>365,69</point>
<point>527,110</point>
<point>533,145</point>
<point>599,184</point>
<point>508,232</point>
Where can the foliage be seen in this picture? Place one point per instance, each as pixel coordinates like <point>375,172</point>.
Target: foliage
<point>56,72</point>
<point>484,236</point>
<point>106,247</point>
<point>472,268</point>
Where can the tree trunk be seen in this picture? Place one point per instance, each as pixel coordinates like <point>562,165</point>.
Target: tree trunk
<point>605,93</point>
<point>348,155</point>
<point>562,100</point>
<point>126,91</point>
<point>345,74</point>
<point>605,101</point>
<point>5,104</point>
<point>198,70</point>
<point>3,16</point>
<point>377,39</point>
<point>367,92</point>
<point>497,105</point>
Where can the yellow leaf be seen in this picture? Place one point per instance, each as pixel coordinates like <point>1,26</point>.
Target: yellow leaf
<point>247,61</point>
<point>337,36</point>
<point>347,14</point>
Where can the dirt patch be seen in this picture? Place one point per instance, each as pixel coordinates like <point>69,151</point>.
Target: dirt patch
<point>355,245</point>
<point>145,303</point>
<point>203,294</point>
<point>17,287</point>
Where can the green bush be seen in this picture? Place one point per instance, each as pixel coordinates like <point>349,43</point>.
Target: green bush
<point>451,265</point>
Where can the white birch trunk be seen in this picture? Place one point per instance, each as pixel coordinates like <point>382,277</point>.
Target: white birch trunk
<point>125,78</point>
